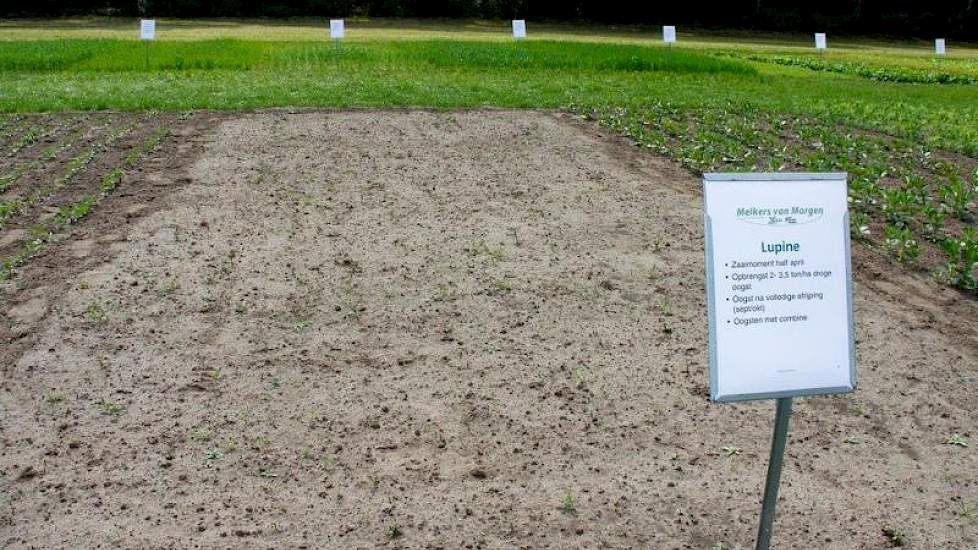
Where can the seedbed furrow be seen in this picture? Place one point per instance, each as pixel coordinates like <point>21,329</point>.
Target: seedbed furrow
<point>31,198</point>
<point>44,164</point>
<point>99,172</point>
<point>43,153</point>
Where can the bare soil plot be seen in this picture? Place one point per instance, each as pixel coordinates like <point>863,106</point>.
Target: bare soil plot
<point>481,329</point>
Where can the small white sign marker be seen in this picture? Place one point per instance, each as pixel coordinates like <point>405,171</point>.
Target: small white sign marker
<point>821,43</point>
<point>336,29</point>
<point>940,46</point>
<point>147,29</point>
<point>519,29</point>
<point>669,34</point>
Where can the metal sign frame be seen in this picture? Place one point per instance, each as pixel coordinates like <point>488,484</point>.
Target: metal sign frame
<point>710,278</point>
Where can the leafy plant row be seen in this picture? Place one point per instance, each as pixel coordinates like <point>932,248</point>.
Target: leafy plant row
<point>97,55</point>
<point>905,200</point>
<point>12,206</point>
<point>43,234</point>
<point>865,70</point>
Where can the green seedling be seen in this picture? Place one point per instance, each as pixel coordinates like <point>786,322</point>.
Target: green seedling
<point>492,347</point>
<point>503,285</point>
<point>54,396</point>
<point>374,482</point>
<point>266,472</point>
<point>568,504</point>
<point>957,440</point>
<point>894,536</point>
<point>169,288</point>
<point>200,434</point>
<point>731,450</point>
<point>110,408</point>
<point>581,376</point>
<point>95,314</point>
<point>900,242</point>
<point>494,254</point>
<point>230,446</point>
<point>111,180</point>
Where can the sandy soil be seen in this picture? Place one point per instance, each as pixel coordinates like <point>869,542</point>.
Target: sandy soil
<point>442,330</point>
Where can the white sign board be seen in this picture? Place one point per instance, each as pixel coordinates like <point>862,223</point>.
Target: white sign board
<point>519,29</point>
<point>820,41</point>
<point>669,34</point>
<point>336,29</point>
<point>147,29</point>
<point>940,46</point>
<point>778,285</point>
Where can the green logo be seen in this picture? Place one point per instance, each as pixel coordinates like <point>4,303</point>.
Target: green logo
<point>780,217</point>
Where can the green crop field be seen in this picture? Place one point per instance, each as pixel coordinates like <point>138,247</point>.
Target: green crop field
<point>902,122</point>
<point>430,286</point>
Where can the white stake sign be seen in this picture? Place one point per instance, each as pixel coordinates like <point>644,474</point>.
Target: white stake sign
<point>778,285</point>
<point>940,46</point>
<point>336,29</point>
<point>669,34</point>
<point>519,29</point>
<point>147,29</point>
<point>821,42</point>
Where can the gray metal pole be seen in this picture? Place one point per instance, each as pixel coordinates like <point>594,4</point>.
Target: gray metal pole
<point>774,473</point>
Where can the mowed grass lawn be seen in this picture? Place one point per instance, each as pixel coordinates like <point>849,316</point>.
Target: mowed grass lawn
<point>902,122</point>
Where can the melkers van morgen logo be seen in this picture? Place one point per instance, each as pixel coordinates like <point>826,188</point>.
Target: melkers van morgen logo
<point>780,217</point>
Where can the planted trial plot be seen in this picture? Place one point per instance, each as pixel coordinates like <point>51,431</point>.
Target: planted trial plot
<point>447,328</point>
<point>26,167</point>
<point>908,202</point>
<point>878,68</point>
<point>450,326</point>
<point>54,184</point>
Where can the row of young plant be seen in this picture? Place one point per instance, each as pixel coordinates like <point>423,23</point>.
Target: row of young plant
<point>11,206</point>
<point>45,233</point>
<point>905,199</point>
<point>865,70</point>
<point>10,125</point>
<point>56,134</point>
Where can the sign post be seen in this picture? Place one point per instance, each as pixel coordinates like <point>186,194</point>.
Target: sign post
<point>669,34</point>
<point>147,33</point>
<point>337,29</point>
<point>821,42</point>
<point>778,443</point>
<point>779,294</point>
<point>940,46</point>
<point>519,29</point>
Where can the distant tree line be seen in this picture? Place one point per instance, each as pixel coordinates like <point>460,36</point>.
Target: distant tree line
<point>951,18</point>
